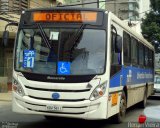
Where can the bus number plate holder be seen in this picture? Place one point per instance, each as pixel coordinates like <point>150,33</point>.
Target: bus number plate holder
<point>54,108</point>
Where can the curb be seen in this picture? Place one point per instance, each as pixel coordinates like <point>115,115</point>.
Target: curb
<point>5,100</point>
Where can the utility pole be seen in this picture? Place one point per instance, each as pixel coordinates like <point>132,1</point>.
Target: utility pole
<point>97,3</point>
<point>82,4</point>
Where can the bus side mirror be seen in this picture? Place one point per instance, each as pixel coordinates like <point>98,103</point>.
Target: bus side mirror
<point>118,44</point>
<point>5,38</point>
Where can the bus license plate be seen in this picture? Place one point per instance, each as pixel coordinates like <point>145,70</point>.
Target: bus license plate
<point>53,108</point>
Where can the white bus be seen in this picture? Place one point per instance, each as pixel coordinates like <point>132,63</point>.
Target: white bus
<point>79,63</point>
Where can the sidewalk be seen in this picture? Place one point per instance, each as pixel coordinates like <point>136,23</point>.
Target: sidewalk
<point>6,96</point>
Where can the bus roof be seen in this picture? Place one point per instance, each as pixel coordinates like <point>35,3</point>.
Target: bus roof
<point>66,8</point>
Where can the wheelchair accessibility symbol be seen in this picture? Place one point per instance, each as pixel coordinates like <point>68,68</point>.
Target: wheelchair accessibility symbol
<point>63,68</point>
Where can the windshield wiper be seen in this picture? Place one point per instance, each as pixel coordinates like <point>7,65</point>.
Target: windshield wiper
<point>73,39</point>
<point>77,35</point>
<point>43,34</point>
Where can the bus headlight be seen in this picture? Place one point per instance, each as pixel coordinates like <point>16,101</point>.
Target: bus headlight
<point>98,92</point>
<point>17,88</point>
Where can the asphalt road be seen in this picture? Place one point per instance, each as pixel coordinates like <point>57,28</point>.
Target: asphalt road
<point>8,118</point>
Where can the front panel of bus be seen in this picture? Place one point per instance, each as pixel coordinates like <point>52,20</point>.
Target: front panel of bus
<point>60,60</point>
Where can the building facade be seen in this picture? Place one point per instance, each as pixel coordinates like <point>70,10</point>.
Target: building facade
<point>125,9</point>
<point>82,3</point>
<point>10,11</point>
<point>129,10</point>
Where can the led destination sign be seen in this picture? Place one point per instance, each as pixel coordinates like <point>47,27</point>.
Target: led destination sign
<point>85,16</point>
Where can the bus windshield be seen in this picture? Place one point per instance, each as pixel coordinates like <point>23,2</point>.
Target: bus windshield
<point>61,51</point>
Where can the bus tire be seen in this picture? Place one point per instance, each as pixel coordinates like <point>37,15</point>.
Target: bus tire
<point>153,92</point>
<point>122,109</point>
<point>143,103</point>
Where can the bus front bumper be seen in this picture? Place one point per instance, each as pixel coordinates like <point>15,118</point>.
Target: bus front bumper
<point>91,110</point>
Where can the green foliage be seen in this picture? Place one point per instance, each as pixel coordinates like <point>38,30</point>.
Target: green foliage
<point>151,24</point>
<point>155,4</point>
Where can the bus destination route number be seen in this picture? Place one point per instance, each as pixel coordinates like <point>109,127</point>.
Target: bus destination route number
<point>28,58</point>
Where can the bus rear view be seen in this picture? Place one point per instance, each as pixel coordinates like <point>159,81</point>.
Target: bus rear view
<point>60,63</point>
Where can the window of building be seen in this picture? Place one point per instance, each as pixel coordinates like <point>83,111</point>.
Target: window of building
<point>4,5</point>
<point>20,5</point>
<point>131,7</point>
<point>41,3</point>
<point>126,48</point>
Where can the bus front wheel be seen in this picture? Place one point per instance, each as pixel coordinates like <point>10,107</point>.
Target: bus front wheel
<point>143,103</point>
<point>122,109</point>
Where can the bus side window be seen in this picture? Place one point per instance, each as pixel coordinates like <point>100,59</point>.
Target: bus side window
<point>150,59</point>
<point>134,51</point>
<point>126,48</point>
<point>141,54</point>
<point>116,56</point>
<point>153,59</point>
<point>146,57</point>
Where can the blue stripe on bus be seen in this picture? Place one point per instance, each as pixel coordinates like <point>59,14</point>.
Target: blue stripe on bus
<point>135,76</point>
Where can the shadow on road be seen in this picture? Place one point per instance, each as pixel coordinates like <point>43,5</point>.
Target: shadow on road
<point>132,112</point>
<point>77,123</point>
<point>155,97</point>
<point>65,123</point>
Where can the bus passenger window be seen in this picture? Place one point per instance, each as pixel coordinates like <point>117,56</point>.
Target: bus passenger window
<point>126,48</point>
<point>146,57</point>
<point>141,54</point>
<point>115,57</point>
<point>150,58</point>
<point>134,51</point>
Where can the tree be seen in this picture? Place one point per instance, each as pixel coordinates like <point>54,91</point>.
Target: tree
<point>155,4</point>
<point>151,24</point>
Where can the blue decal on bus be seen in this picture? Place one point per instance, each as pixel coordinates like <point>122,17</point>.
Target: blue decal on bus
<point>131,75</point>
<point>64,68</point>
<point>28,58</point>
